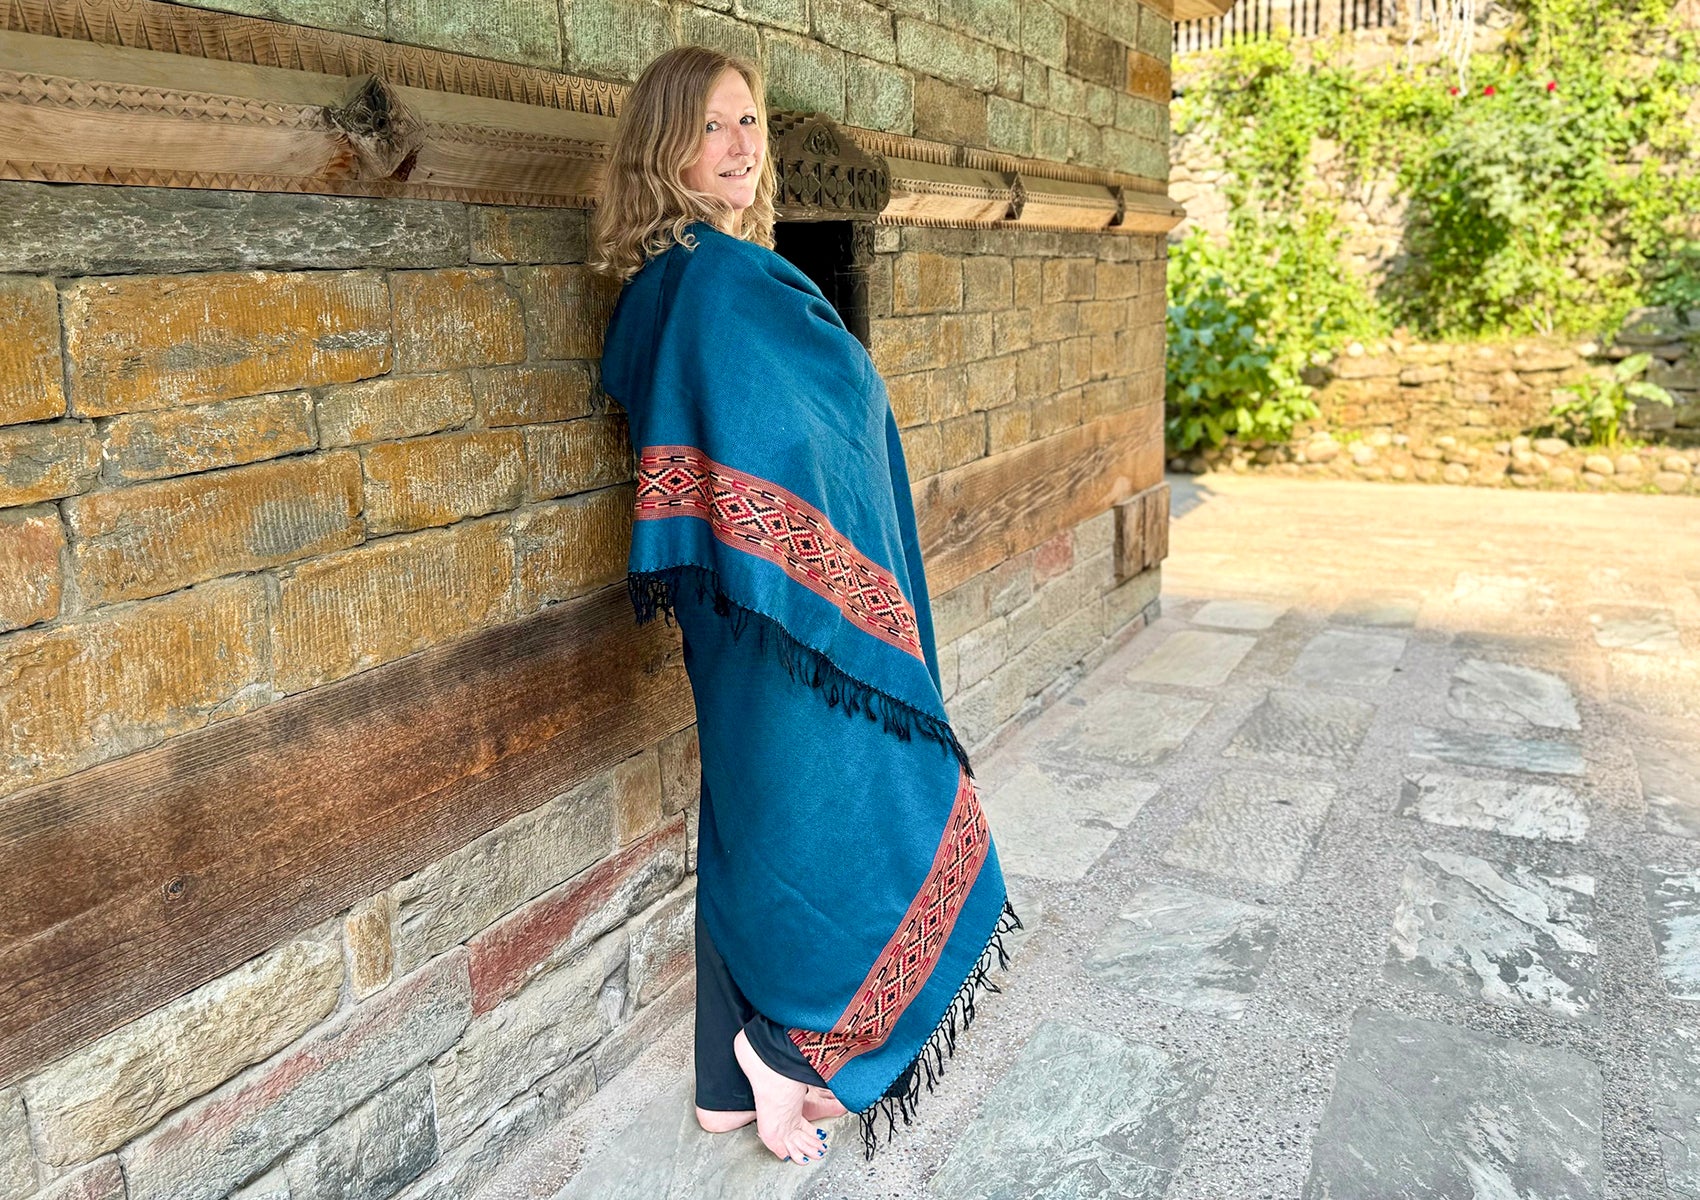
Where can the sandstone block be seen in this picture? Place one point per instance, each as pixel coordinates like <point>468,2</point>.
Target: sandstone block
<point>532,395</point>
<point>981,651</point>
<point>638,808</point>
<point>1670,482</point>
<point>30,542</point>
<point>566,309</point>
<point>1095,55</point>
<point>577,456</point>
<point>350,611</point>
<point>549,931</point>
<point>446,903</point>
<point>616,43</point>
<point>926,282</point>
<point>1599,464</point>
<point>439,480</point>
<point>158,537</point>
<point>946,55</point>
<point>373,1151</point>
<point>922,450</point>
<point>369,948</point>
<point>93,689</point>
<point>663,946</point>
<point>526,31</point>
<point>504,1052</point>
<point>462,317</point>
<point>151,342</point>
<point>616,1052</point>
<point>1008,427</point>
<point>1069,279</point>
<point>571,547</point>
<point>989,383</point>
<point>31,382</point>
<point>877,96</point>
<point>963,439</point>
<point>987,282</point>
<point>911,397</point>
<point>528,235</point>
<point>100,1180</point>
<point>1416,376</point>
<point>1367,367</point>
<point>204,1150</point>
<point>944,110</point>
<point>681,770</point>
<point>1053,557</point>
<point>403,406</point>
<point>102,1096</point>
<point>1147,78</point>
<point>17,1161</point>
<point>182,441</point>
<point>856,26</point>
<point>45,462</point>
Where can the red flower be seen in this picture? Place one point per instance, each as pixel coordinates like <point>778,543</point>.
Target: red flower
<point>1452,91</point>
<point>1552,85</point>
<point>1488,90</point>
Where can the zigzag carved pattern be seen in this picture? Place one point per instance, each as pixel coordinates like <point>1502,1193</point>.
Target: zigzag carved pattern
<point>62,92</point>
<point>754,515</point>
<point>907,961</point>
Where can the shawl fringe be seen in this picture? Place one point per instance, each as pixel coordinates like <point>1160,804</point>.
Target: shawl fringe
<point>927,1066</point>
<point>652,594</point>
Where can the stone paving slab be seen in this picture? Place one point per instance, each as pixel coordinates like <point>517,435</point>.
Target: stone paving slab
<point>1670,784</point>
<point>1081,1114</point>
<point>1253,826</point>
<point>1480,748</point>
<point>1626,627</point>
<point>1429,1111</point>
<point>1499,932</point>
<point>1662,685</point>
<point>1673,909</point>
<point>1510,807</point>
<point>1053,822</point>
<point>1187,948</point>
<point>1390,612</point>
<point>1128,728</point>
<point>1350,657</point>
<point>1238,614</point>
<point>1300,729</point>
<point>1504,692</point>
<point>1676,1108</point>
<point>1194,658</point>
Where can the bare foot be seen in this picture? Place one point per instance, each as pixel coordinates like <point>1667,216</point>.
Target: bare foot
<point>715,1120</point>
<point>779,1108</point>
<point>821,1105</point>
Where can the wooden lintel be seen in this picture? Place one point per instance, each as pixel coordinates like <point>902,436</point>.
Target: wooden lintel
<point>129,884</point>
<point>977,515</point>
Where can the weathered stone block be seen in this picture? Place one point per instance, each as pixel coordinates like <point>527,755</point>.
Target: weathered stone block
<point>71,230</point>
<point>1095,55</point>
<point>439,480</point>
<point>615,41</point>
<point>141,446</point>
<point>351,16</point>
<point>45,462</point>
<point>17,1161</point>
<point>566,307</point>
<point>368,946</point>
<point>637,810</point>
<point>152,342</point>
<point>925,282</point>
<point>574,546</point>
<point>31,383</point>
<point>663,946</point>
<point>681,770</point>
<point>903,344</point>
<point>551,930</point>
<point>463,317</point>
<point>577,456</point>
<point>372,1152</point>
<point>802,73</point>
<point>786,14</point>
<point>405,406</point>
<point>30,542</point>
<point>994,21</point>
<point>911,397</point>
<point>528,235</point>
<point>962,440</point>
<point>1148,78</point>
<point>504,1052</point>
<point>700,27</point>
<point>158,537</point>
<point>1008,427</point>
<point>525,31</point>
<point>946,55</point>
<point>877,96</point>
<point>856,26</point>
<point>350,611</point>
<point>100,1180</point>
<point>617,1051</point>
<point>1044,33</point>
<point>1069,279</point>
<point>922,449</point>
<point>454,898</point>
<point>89,690</point>
<point>102,1096</point>
<point>1156,34</point>
<point>205,1149</point>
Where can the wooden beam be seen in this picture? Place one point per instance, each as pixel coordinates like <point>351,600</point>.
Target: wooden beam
<point>1142,531</point>
<point>129,884</point>
<point>976,516</point>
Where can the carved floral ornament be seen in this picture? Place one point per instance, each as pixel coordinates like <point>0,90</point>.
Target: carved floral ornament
<point>141,92</point>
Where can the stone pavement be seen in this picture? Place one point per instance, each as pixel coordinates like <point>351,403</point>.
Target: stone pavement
<point>1371,869</point>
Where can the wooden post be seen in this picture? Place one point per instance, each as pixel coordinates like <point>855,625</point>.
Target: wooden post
<point>1142,531</point>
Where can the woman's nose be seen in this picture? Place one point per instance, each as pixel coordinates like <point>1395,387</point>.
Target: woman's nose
<point>747,141</point>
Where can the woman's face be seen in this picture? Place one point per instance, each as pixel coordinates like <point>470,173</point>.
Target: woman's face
<point>732,140</point>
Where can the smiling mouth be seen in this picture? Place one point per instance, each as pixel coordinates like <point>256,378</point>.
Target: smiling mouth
<point>738,174</point>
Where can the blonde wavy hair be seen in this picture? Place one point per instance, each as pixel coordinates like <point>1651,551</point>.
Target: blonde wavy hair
<point>645,203</point>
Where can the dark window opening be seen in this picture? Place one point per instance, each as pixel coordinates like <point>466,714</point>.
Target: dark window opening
<point>837,255</point>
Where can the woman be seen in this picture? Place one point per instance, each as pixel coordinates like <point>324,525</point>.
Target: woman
<point>849,898</point>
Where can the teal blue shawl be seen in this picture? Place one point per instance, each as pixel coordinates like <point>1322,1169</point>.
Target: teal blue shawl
<point>845,869</point>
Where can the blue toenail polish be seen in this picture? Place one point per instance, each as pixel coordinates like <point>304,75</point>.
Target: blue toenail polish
<point>820,1133</point>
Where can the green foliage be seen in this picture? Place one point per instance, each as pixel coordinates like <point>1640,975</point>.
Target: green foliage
<point>1599,406</point>
<point>1229,373</point>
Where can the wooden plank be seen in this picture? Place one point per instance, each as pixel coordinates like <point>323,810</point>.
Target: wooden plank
<point>976,516</point>
<point>129,884</point>
<point>1142,531</point>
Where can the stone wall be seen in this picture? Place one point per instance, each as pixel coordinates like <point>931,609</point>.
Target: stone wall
<point>321,435</point>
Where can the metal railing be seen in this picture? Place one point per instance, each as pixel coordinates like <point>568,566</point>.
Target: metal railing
<point>1255,20</point>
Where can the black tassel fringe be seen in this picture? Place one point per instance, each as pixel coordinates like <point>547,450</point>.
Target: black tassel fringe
<point>652,595</point>
<point>927,1066</point>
